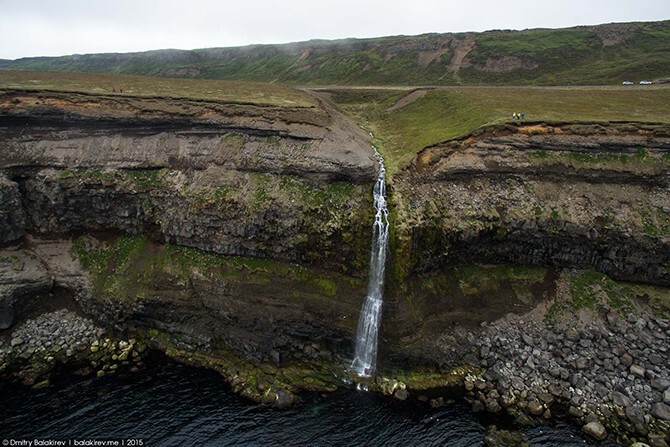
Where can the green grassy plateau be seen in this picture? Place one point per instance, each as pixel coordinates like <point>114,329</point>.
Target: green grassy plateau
<point>403,128</point>
<point>213,90</point>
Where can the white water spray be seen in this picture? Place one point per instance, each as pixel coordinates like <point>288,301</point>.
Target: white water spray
<point>365,354</point>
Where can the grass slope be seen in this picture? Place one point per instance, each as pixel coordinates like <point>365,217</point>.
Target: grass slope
<point>93,83</point>
<point>582,56</point>
<point>452,112</point>
<point>604,54</point>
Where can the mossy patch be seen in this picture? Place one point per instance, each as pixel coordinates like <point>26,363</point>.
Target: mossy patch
<point>656,222</point>
<point>16,263</point>
<point>326,286</point>
<point>257,382</point>
<point>131,268</point>
<point>141,179</point>
<point>84,174</point>
<point>146,179</point>
<point>216,196</point>
<point>641,162</point>
<point>112,265</point>
<point>590,290</point>
<point>433,383</point>
<point>333,195</point>
<point>478,280</point>
<point>233,140</point>
<point>585,288</point>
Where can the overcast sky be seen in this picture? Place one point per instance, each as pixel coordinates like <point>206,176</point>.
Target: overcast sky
<point>51,28</point>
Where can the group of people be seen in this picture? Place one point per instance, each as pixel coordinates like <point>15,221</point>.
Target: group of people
<point>114,89</point>
<point>519,116</point>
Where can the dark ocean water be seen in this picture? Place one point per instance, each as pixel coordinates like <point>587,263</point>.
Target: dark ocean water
<point>176,405</point>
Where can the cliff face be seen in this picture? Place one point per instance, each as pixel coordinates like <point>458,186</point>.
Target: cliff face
<point>236,236</point>
<point>590,196</point>
<point>12,217</point>
<point>83,131</point>
<point>232,179</point>
<point>546,196</point>
<point>192,180</point>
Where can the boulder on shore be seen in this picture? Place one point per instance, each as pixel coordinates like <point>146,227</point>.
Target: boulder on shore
<point>595,430</point>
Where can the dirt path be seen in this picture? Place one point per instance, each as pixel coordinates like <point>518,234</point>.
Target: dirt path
<point>408,99</point>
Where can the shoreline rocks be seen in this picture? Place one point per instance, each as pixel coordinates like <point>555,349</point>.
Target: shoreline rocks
<point>38,348</point>
<point>609,371</point>
<point>530,369</point>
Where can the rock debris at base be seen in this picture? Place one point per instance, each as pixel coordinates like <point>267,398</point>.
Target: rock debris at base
<point>31,352</point>
<point>613,373</point>
<point>62,330</point>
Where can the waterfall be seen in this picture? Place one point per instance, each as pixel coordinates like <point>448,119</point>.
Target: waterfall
<point>365,354</point>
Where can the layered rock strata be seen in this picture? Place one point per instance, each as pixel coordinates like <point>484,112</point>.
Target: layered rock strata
<point>493,224</point>
<point>167,201</point>
<point>236,236</point>
<point>592,196</point>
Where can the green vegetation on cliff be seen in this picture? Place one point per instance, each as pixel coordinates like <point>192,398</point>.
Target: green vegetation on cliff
<point>477,280</point>
<point>132,268</point>
<point>264,383</point>
<point>316,224</point>
<point>593,291</point>
<point>493,289</point>
<point>144,281</point>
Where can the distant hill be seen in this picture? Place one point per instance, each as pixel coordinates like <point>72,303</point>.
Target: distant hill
<point>602,54</point>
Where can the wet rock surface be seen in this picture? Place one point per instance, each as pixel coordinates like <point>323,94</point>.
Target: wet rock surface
<point>24,282</point>
<point>268,342</point>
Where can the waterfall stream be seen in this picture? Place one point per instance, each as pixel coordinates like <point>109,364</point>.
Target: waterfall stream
<point>365,354</point>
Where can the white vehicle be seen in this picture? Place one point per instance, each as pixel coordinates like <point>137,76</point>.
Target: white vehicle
<point>628,83</point>
<point>646,82</point>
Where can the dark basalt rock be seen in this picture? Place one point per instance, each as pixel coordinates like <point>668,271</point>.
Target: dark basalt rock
<point>6,316</point>
<point>12,217</point>
<point>595,430</point>
<point>661,411</point>
<point>542,194</point>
